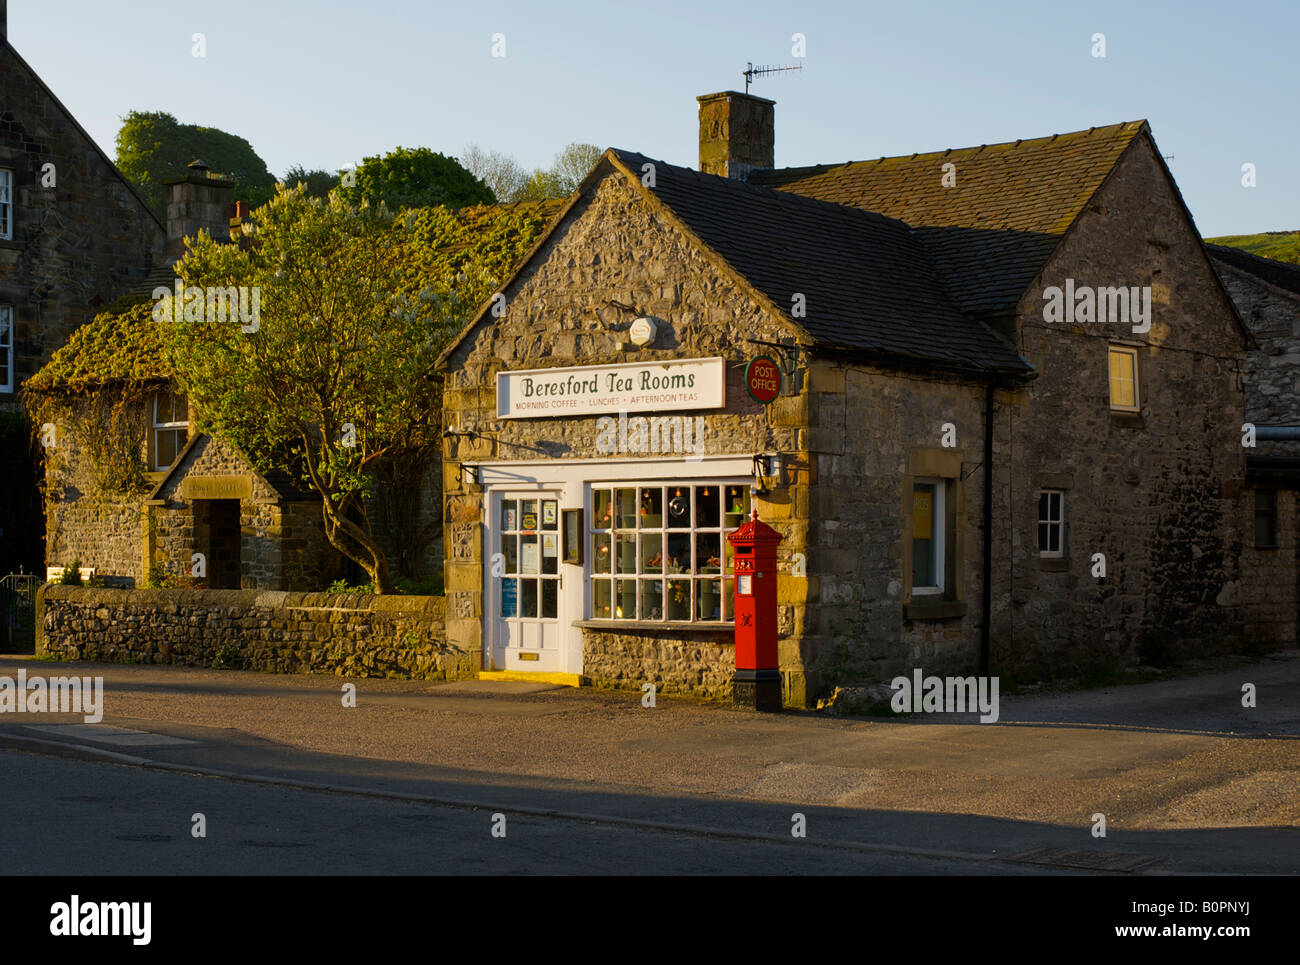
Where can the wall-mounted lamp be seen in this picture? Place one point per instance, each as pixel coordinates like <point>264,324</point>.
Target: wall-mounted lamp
<point>766,466</point>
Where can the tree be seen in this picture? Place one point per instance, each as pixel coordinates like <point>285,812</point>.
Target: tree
<point>318,183</point>
<point>500,172</point>
<point>542,186</point>
<point>338,375</point>
<point>573,164</point>
<point>152,147</point>
<point>416,178</point>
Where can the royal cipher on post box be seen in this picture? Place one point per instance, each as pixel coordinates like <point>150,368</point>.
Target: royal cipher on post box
<point>757,681</point>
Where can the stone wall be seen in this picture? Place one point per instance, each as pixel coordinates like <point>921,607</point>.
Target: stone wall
<point>1273,316</point>
<point>691,663</point>
<point>1270,599</point>
<point>1157,492</point>
<point>345,634</point>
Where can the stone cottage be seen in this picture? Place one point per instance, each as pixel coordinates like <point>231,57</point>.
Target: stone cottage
<point>74,235</point>
<point>138,496</point>
<point>1007,432</point>
<point>1267,295</point>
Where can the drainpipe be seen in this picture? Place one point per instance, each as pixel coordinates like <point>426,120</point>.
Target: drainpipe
<point>1277,433</point>
<point>985,629</point>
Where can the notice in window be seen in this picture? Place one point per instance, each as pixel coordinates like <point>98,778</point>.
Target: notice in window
<point>550,544</point>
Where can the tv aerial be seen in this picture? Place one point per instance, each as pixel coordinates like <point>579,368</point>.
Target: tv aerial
<point>763,70</point>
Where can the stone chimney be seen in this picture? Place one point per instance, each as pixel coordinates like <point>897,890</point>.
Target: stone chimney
<point>196,200</point>
<point>736,134</point>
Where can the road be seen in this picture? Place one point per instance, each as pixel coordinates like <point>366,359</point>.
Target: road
<point>290,781</point>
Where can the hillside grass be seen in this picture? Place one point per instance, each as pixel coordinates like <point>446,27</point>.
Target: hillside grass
<point>1278,245</point>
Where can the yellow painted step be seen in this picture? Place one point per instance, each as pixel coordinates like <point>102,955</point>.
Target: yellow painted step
<point>528,676</point>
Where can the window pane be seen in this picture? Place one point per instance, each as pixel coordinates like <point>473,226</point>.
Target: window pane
<point>706,507</point>
<point>625,609</point>
<point>510,550</point>
<point>652,553</point>
<point>509,514</point>
<point>923,544</point>
<point>652,508</point>
<point>600,605</point>
<point>529,551</point>
<point>550,599</point>
<point>625,553</point>
<point>626,508</point>
<point>652,600</point>
<point>679,507</point>
<point>509,597</point>
<point>737,504</point>
<point>1042,507</point>
<point>679,553</point>
<point>602,561</point>
<point>550,514</point>
<point>679,599</point>
<point>708,605</point>
<point>708,551</point>
<point>530,598</point>
<point>603,516</point>
<point>528,514</point>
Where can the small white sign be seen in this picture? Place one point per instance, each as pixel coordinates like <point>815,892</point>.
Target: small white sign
<point>630,387</point>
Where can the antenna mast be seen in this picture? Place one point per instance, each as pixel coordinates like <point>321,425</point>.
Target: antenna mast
<point>751,72</point>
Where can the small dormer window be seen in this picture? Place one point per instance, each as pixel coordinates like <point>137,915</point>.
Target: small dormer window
<point>170,428</point>
<point>6,204</point>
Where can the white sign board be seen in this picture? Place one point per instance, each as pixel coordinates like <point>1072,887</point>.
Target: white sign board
<point>631,387</point>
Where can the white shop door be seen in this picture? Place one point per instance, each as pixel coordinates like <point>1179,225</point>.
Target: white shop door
<point>524,576</point>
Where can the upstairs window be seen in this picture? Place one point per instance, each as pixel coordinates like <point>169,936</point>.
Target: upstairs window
<point>1051,523</point>
<point>1124,394</point>
<point>6,348</point>
<point>6,204</point>
<point>170,428</point>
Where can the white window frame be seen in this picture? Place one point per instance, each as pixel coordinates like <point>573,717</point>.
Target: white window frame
<point>1058,522</point>
<point>7,347</point>
<point>6,204</point>
<point>159,427</point>
<point>938,530</point>
<point>1132,353</point>
<point>721,578</point>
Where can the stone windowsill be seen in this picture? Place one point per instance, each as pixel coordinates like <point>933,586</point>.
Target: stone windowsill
<point>1128,420</point>
<point>1053,564</point>
<point>6,244</point>
<point>938,610</point>
<point>712,626</point>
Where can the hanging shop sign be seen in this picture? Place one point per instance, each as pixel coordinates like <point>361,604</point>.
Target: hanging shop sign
<point>632,387</point>
<point>763,379</point>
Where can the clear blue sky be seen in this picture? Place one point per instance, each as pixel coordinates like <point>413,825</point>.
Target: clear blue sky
<point>325,83</point>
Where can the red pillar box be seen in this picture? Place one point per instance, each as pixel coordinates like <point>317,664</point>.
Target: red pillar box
<point>757,681</point>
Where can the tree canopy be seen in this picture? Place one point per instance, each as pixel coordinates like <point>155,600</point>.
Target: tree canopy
<point>154,146</point>
<point>415,178</point>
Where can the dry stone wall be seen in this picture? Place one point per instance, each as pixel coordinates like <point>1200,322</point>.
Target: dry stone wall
<point>345,634</point>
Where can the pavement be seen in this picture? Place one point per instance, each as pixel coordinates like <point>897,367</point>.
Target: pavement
<point>1188,779</point>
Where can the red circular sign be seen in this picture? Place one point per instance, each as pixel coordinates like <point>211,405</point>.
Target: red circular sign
<point>763,378</point>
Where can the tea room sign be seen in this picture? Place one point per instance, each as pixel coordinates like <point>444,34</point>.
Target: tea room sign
<point>631,387</point>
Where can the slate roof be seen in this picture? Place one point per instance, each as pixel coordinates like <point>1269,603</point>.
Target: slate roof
<point>870,285</point>
<point>992,232</point>
<point>1279,273</point>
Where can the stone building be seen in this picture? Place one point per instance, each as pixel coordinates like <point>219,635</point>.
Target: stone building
<point>1267,295</point>
<point>74,235</point>
<point>1041,314</point>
